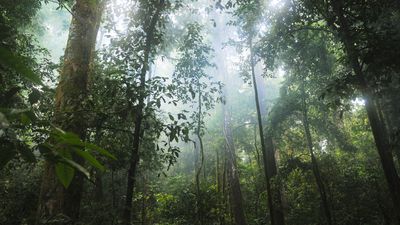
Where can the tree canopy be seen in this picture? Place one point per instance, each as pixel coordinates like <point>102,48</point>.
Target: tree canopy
<point>176,112</point>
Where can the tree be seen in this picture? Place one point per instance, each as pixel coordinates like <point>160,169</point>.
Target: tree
<point>71,97</point>
<point>196,87</point>
<point>149,32</point>
<point>248,15</point>
<point>315,166</point>
<point>232,172</point>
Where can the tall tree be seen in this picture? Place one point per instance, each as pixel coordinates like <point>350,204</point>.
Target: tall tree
<point>248,15</point>
<point>315,167</point>
<point>276,213</point>
<point>70,108</point>
<point>339,21</point>
<point>233,173</point>
<point>150,32</point>
<point>197,88</point>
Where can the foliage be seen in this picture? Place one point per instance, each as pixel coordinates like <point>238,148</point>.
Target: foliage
<point>303,48</point>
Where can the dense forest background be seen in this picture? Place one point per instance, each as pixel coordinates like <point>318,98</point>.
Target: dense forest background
<point>177,112</point>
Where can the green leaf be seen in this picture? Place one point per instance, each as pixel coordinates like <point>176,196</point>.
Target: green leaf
<point>65,174</point>
<point>74,140</point>
<point>65,168</point>
<point>26,153</point>
<point>76,166</point>
<point>34,96</point>
<point>19,64</point>
<point>6,154</point>
<point>25,119</point>
<point>171,117</point>
<point>100,150</point>
<point>182,116</point>
<point>158,103</point>
<point>68,138</point>
<point>88,157</point>
<point>192,93</point>
<point>172,135</point>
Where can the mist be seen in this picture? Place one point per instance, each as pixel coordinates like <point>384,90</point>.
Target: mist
<point>177,112</point>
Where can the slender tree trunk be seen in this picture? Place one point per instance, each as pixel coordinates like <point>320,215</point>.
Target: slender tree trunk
<point>233,176</point>
<point>220,187</point>
<point>224,193</point>
<point>314,162</point>
<point>143,207</point>
<point>134,158</point>
<point>257,152</point>
<point>217,175</point>
<point>98,193</point>
<point>113,198</point>
<point>70,112</point>
<point>379,130</point>
<point>201,148</point>
<point>98,184</point>
<point>276,214</point>
<point>256,185</point>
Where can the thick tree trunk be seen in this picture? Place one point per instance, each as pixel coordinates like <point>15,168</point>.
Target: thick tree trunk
<point>233,176</point>
<point>70,109</point>
<point>379,130</point>
<point>134,159</point>
<point>275,186</point>
<point>276,214</point>
<point>314,162</point>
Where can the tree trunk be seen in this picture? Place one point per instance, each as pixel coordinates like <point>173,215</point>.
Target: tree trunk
<point>314,162</point>
<point>275,186</point>
<point>69,113</point>
<point>200,147</point>
<point>378,128</point>
<point>233,176</point>
<point>134,158</point>
<point>224,193</point>
<point>220,187</point>
<point>276,215</point>
<point>144,205</point>
<point>98,183</point>
<point>113,198</point>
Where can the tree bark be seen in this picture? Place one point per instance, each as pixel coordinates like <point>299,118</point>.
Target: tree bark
<point>233,176</point>
<point>69,115</point>
<point>201,148</point>
<point>134,158</point>
<point>224,194</point>
<point>276,214</point>
<point>144,202</point>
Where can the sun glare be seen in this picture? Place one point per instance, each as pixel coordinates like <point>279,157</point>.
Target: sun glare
<point>276,4</point>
